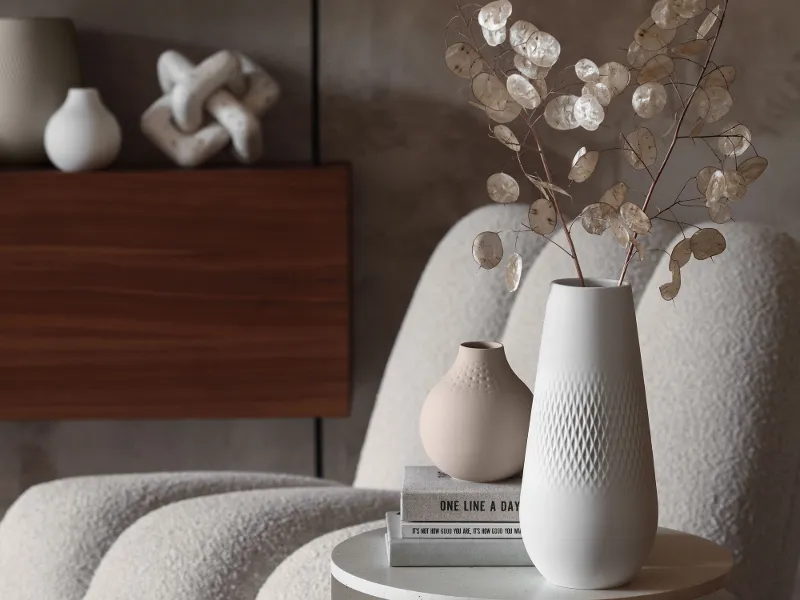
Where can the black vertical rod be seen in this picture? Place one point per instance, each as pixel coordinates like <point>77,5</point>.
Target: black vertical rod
<point>316,157</point>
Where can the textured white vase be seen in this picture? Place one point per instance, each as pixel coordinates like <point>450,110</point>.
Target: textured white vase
<point>589,507</point>
<point>82,135</point>
<point>474,422</point>
<point>38,64</point>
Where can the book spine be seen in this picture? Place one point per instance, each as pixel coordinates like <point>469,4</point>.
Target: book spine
<point>451,552</point>
<point>456,553</point>
<point>439,530</point>
<point>460,507</point>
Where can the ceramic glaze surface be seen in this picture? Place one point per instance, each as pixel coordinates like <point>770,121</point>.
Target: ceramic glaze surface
<point>38,64</point>
<point>588,508</point>
<point>82,135</point>
<point>586,445</point>
<point>473,424</point>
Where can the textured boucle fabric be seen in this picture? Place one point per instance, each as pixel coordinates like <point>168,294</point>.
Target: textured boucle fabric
<point>454,301</point>
<point>722,373</point>
<point>55,535</point>
<point>306,574</point>
<point>224,547</point>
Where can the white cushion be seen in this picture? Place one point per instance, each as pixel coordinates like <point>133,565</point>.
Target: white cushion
<point>54,536</point>
<point>224,547</point>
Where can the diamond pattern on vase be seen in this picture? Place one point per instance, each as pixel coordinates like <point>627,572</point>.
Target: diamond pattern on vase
<point>590,432</point>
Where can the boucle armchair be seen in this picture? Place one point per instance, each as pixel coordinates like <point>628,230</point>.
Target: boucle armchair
<point>721,370</point>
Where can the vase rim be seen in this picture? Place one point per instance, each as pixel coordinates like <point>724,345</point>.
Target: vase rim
<point>482,345</point>
<point>592,284</point>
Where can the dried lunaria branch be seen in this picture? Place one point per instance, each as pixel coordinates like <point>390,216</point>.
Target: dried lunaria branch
<point>507,65</point>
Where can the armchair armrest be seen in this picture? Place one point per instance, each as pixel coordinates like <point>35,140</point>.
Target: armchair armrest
<point>54,536</point>
<point>225,546</point>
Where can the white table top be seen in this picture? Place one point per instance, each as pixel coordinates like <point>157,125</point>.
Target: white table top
<point>680,567</point>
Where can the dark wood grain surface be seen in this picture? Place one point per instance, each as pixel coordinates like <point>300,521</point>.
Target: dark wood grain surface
<point>209,293</point>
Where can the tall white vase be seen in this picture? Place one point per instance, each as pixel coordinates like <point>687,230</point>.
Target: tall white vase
<point>474,422</point>
<point>82,135</point>
<point>589,507</point>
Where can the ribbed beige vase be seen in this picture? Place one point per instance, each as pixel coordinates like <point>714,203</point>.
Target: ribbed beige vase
<point>38,65</point>
<point>474,422</point>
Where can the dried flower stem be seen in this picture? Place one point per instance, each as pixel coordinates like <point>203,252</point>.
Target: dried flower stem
<point>527,229</point>
<point>675,137</point>
<point>531,126</point>
<point>560,215</point>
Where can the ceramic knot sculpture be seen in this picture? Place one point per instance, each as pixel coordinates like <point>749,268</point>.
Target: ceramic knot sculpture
<point>205,107</point>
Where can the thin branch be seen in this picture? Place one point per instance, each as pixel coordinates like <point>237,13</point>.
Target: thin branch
<point>559,214</point>
<point>738,137</point>
<point>639,158</point>
<point>572,223</point>
<point>526,228</point>
<point>677,93</point>
<point>680,224</point>
<point>674,216</point>
<point>684,187</point>
<point>721,161</point>
<point>672,144</point>
<point>699,64</point>
<point>713,137</point>
<point>556,91</point>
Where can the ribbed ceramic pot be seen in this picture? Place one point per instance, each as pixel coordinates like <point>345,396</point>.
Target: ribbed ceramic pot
<point>82,135</point>
<point>38,64</point>
<point>588,506</point>
<point>474,422</point>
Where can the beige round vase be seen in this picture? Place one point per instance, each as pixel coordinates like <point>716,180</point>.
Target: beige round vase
<point>474,422</point>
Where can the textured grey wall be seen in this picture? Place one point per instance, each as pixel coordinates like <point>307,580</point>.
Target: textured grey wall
<point>421,157</point>
<point>420,160</point>
<point>119,44</point>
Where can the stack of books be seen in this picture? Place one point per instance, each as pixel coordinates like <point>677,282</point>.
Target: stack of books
<point>445,522</point>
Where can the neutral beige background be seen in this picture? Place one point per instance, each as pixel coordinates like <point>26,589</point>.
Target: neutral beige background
<point>421,158</point>
<point>420,161</point>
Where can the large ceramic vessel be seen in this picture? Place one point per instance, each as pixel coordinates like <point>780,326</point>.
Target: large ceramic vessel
<point>474,422</point>
<point>38,64</point>
<point>588,507</point>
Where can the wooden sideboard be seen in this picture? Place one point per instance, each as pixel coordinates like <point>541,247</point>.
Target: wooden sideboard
<point>175,294</point>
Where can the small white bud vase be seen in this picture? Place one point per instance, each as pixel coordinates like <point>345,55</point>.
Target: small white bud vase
<point>589,506</point>
<point>474,422</point>
<point>82,135</point>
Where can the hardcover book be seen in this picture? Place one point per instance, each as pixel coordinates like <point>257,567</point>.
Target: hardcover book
<point>430,495</point>
<point>438,552</point>
<point>442,530</point>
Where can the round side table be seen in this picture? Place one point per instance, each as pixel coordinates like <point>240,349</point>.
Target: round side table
<point>680,567</point>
